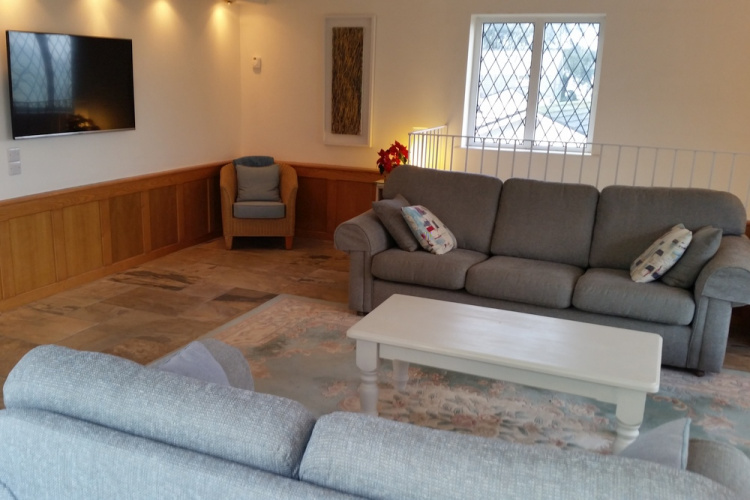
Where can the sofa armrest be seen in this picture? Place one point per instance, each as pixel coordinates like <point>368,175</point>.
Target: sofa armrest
<point>721,463</point>
<point>363,233</point>
<point>727,275</point>
<point>362,237</point>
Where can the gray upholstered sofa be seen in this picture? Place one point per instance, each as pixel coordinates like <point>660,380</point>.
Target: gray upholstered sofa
<point>561,250</point>
<point>82,425</point>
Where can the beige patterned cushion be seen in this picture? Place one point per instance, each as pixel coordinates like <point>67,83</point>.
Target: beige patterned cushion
<point>661,255</point>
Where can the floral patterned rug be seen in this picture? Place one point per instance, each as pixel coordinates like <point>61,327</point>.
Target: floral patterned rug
<point>297,348</point>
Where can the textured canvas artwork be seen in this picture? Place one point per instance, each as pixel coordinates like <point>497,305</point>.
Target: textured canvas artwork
<point>346,91</point>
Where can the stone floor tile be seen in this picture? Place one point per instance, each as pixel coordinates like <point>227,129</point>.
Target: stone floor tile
<point>11,351</point>
<point>39,327</point>
<point>156,300</point>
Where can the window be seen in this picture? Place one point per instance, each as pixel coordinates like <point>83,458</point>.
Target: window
<point>532,81</point>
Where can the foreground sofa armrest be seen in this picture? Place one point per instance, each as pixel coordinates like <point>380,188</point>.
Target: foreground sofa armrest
<point>727,275</point>
<point>720,462</point>
<point>361,237</point>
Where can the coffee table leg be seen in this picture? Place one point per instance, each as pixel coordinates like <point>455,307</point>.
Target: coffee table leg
<point>368,361</point>
<point>400,374</point>
<point>629,412</point>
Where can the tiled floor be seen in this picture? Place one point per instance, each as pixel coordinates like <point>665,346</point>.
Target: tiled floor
<point>148,311</point>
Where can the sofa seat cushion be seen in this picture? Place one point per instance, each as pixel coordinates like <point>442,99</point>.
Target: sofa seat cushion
<point>259,210</point>
<point>612,292</point>
<point>447,271</point>
<point>536,282</point>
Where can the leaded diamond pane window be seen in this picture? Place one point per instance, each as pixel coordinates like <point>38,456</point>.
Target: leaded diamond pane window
<point>533,81</point>
<point>503,86</point>
<point>44,82</point>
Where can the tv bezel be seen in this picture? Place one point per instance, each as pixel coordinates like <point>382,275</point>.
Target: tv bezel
<point>77,132</point>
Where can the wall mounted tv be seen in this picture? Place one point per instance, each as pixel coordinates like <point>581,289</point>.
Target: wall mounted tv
<point>69,84</point>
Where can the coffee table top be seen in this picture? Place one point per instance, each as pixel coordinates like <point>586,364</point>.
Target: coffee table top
<point>583,351</point>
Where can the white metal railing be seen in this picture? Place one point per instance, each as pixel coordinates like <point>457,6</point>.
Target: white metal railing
<point>591,163</point>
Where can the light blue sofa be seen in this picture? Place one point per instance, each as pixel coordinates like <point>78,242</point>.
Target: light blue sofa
<point>82,425</point>
<point>560,250</point>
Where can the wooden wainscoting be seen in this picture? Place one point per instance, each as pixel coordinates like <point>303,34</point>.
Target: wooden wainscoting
<point>329,195</point>
<point>54,241</point>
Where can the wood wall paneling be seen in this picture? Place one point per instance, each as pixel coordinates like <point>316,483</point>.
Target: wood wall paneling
<point>195,208</point>
<point>32,251</point>
<point>163,216</point>
<point>82,231</point>
<point>312,207</point>
<point>54,241</point>
<point>126,226</point>
<point>352,198</point>
<point>214,205</point>
<point>7,281</point>
<point>329,195</point>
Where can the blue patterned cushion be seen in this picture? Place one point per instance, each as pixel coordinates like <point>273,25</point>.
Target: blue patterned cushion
<point>431,234</point>
<point>197,362</point>
<point>661,255</point>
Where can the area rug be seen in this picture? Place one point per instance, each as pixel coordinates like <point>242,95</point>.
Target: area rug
<point>297,348</point>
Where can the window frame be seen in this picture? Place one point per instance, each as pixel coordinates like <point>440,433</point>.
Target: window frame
<point>472,80</point>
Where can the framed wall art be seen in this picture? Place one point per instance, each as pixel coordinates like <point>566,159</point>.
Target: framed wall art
<point>348,73</point>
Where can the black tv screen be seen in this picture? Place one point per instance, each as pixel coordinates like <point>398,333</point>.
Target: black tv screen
<point>69,84</point>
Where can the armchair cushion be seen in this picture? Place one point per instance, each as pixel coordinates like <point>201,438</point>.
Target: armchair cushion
<point>259,210</point>
<point>258,183</point>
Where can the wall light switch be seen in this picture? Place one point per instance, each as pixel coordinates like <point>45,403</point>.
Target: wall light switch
<point>256,62</point>
<point>14,168</point>
<point>14,154</point>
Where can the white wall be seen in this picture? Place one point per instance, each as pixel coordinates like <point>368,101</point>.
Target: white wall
<point>187,86</point>
<point>675,73</point>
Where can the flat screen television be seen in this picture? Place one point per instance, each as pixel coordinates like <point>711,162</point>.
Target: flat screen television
<point>69,84</point>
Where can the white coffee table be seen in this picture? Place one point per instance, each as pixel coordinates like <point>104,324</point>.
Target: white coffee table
<point>613,365</point>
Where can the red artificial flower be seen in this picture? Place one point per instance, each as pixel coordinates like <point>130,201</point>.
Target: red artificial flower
<point>394,156</point>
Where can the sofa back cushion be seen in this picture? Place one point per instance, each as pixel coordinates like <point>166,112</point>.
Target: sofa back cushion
<point>629,219</point>
<point>465,203</point>
<point>548,221</point>
<point>257,430</point>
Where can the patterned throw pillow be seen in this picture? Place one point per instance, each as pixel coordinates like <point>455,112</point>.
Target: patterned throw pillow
<point>431,234</point>
<point>661,255</point>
